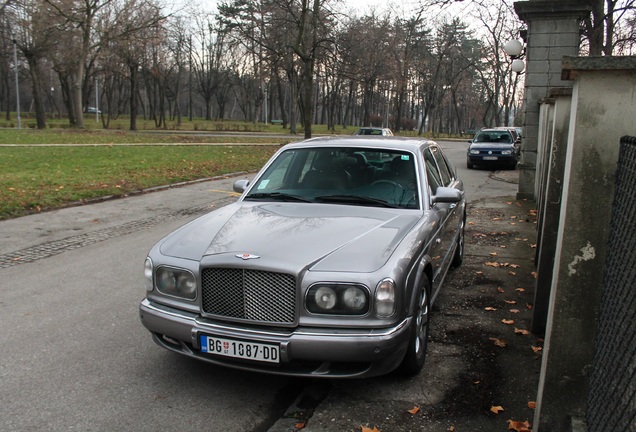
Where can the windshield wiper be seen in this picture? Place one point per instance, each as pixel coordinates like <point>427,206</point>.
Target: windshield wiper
<point>355,199</point>
<point>278,196</point>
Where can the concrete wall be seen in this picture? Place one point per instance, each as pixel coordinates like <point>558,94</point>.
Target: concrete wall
<point>603,110</point>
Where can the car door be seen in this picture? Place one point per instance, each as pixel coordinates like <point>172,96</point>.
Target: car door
<point>439,174</point>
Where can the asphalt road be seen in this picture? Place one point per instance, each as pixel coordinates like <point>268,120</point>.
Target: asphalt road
<point>74,355</point>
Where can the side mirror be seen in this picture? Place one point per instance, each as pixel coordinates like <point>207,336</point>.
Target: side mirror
<point>447,195</point>
<point>241,185</point>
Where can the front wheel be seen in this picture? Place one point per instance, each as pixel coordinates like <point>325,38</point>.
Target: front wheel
<point>458,257</point>
<point>416,351</point>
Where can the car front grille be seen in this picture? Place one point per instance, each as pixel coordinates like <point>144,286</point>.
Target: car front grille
<point>253,295</point>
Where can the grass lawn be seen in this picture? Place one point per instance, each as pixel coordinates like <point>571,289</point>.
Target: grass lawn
<point>40,177</point>
<point>46,169</point>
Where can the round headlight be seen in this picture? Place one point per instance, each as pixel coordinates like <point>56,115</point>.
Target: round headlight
<point>354,298</point>
<point>176,282</point>
<point>166,280</point>
<point>186,285</point>
<point>325,298</point>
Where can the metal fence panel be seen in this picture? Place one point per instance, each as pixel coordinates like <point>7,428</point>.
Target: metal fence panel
<point>612,398</point>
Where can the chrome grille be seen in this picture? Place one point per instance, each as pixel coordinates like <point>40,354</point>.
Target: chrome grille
<point>252,295</point>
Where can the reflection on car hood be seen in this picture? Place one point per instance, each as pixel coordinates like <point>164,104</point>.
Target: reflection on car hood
<point>326,237</point>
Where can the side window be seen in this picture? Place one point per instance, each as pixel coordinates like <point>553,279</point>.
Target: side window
<point>434,178</point>
<point>444,170</point>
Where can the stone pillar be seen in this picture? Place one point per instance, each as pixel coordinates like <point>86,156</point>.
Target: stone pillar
<point>603,110</point>
<point>553,31</point>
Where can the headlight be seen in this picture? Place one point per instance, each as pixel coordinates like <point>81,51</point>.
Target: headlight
<point>474,151</point>
<point>176,282</point>
<point>385,298</point>
<point>337,299</point>
<point>506,152</point>
<point>148,274</point>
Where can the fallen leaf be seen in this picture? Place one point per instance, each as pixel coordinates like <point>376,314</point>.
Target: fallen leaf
<point>451,429</point>
<point>514,266</point>
<point>532,404</point>
<point>496,219</point>
<point>414,411</point>
<point>519,426</point>
<point>514,310</point>
<point>479,272</point>
<point>511,273</point>
<point>507,322</point>
<point>500,289</point>
<point>499,342</point>
<point>490,308</point>
<point>471,223</point>
<point>534,274</point>
<point>493,254</point>
<point>511,301</point>
<point>366,429</point>
<point>521,331</point>
<point>537,349</point>
<point>528,305</point>
<point>520,289</point>
<point>496,409</point>
<point>299,426</point>
<point>492,264</point>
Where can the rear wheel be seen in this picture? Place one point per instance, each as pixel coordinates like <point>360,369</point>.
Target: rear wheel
<point>416,351</point>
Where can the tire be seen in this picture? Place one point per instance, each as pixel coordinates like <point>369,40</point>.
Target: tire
<point>416,352</point>
<point>469,165</point>
<point>458,256</point>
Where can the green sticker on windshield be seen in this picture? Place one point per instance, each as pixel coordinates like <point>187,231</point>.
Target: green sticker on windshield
<point>406,157</point>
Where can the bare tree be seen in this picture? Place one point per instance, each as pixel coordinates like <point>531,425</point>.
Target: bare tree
<point>33,35</point>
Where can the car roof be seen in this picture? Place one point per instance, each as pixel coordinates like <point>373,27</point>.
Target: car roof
<point>496,129</point>
<point>393,142</point>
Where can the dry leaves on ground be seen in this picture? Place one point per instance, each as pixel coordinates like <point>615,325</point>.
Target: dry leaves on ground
<point>519,426</point>
<point>496,409</point>
<point>499,342</point>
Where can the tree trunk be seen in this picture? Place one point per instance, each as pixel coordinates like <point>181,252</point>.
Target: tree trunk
<point>133,96</point>
<point>34,72</point>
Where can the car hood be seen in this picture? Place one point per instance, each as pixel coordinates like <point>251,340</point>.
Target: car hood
<point>322,237</point>
<point>490,145</point>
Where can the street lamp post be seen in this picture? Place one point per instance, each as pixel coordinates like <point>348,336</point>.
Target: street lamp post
<point>515,50</point>
<point>17,84</point>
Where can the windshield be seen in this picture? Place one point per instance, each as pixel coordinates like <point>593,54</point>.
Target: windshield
<point>503,137</point>
<point>342,175</point>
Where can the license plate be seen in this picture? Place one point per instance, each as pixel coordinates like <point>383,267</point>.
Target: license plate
<point>490,158</point>
<point>240,349</point>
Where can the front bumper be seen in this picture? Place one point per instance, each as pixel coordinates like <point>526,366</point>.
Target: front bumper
<point>484,159</point>
<point>304,351</point>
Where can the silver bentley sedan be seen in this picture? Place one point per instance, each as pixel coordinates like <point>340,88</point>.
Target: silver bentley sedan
<point>326,266</point>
